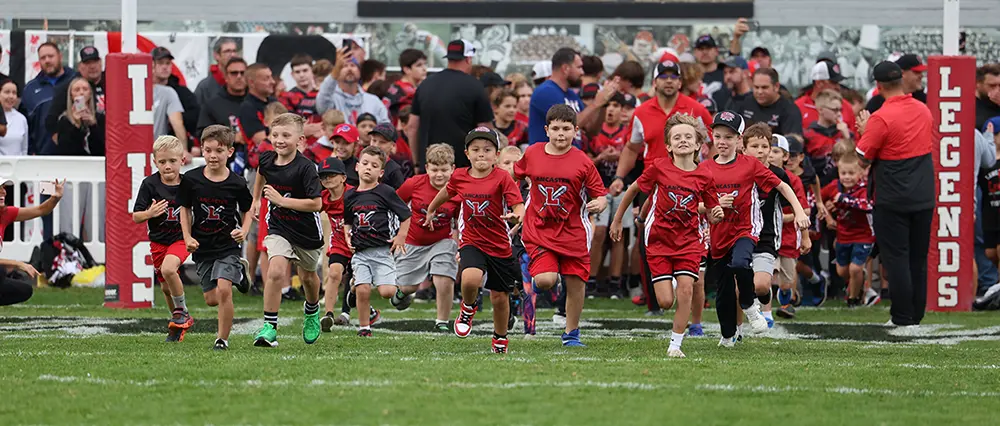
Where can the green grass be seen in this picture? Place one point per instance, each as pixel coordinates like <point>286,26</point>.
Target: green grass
<point>830,366</point>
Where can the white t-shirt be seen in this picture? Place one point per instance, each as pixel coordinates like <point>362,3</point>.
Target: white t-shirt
<point>165,102</point>
<point>16,140</point>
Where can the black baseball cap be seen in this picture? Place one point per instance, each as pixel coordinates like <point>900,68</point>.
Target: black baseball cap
<point>492,79</point>
<point>731,120</point>
<point>161,53</point>
<point>483,133</point>
<point>737,62</point>
<point>623,99</point>
<point>459,50</point>
<point>760,50</point>
<point>332,166</point>
<point>386,131</point>
<point>589,91</point>
<point>826,70</point>
<point>665,67</point>
<point>911,62</point>
<point>887,71</point>
<point>705,41</point>
<point>89,53</point>
<point>794,146</point>
<point>366,116</point>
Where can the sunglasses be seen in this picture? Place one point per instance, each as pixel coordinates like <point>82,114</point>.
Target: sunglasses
<point>237,72</point>
<point>669,76</point>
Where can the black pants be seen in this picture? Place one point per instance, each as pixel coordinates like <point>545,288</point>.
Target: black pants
<point>13,291</point>
<point>729,272</point>
<point>904,239</point>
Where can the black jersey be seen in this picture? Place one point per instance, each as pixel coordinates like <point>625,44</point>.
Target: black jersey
<point>374,216</point>
<point>989,182</point>
<point>297,179</point>
<point>771,216</point>
<point>164,229</point>
<point>393,174</point>
<point>217,209</point>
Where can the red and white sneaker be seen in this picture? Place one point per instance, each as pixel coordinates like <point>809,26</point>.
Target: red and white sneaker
<point>499,345</point>
<point>463,324</point>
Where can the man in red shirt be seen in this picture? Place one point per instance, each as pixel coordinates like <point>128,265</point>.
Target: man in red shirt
<point>825,75</point>
<point>413,63</point>
<point>899,135</point>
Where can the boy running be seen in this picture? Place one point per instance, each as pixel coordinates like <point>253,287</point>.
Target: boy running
<point>215,219</point>
<point>855,234</point>
<point>557,231</point>
<point>794,242</point>
<point>489,198</point>
<point>333,176</point>
<point>156,204</point>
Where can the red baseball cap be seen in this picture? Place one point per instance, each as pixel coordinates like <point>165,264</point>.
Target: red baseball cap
<point>911,62</point>
<point>346,131</point>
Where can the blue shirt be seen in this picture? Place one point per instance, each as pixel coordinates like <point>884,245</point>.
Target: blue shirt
<point>545,96</point>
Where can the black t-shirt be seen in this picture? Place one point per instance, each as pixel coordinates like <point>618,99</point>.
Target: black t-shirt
<point>715,87</point>
<point>252,116</point>
<point>217,209</point>
<point>770,211</point>
<point>876,101</point>
<point>985,110</point>
<point>989,181</point>
<point>450,104</point>
<point>783,116</point>
<point>297,179</point>
<point>223,109</point>
<point>374,216</point>
<point>394,175</point>
<point>164,229</point>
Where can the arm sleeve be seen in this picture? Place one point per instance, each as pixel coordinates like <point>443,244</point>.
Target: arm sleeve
<point>310,181</point>
<point>173,102</point>
<point>764,177</point>
<point>647,180</point>
<point>636,133</point>
<point>595,186</point>
<point>286,100</point>
<point>828,191</point>
<point>396,205</point>
<point>184,195</point>
<point>415,105</point>
<point>250,122</point>
<point>521,167</point>
<point>873,138</point>
<point>243,198</point>
<point>452,186</point>
<point>511,194</point>
<point>143,198</point>
<point>349,208</point>
<point>405,192</point>
<point>709,194</point>
<point>324,99</point>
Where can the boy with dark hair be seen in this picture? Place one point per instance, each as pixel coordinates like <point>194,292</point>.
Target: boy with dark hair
<point>291,185</point>
<point>557,231</point>
<point>301,99</point>
<point>413,64</point>
<point>215,219</point>
<point>489,199</point>
<point>376,222</point>
<point>383,137</point>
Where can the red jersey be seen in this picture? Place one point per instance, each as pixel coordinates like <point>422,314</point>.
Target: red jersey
<point>556,215</point>
<point>522,117</point>
<point>608,137</point>
<point>335,210</point>
<point>853,211</point>
<point>650,119</point>
<point>791,237</point>
<point>744,178</point>
<point>417,192</point>
<point>516,132</point>
<point>672,228</point>
<point>483,203</point>
<point>398,95</point>
<point>299,101</point>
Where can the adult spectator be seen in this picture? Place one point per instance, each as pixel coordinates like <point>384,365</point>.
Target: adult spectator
<point>163,66</point>
<point>15,140</point>
<point>90,68</point>
<point>260,87</point>
<point>168,112</point>
<point>14,290</point>
<point>593,68</point>
<point>448,105</point>
<point>706,52</point>
<point>540,72</point>
<point>493,84</point>
<point>371,71</point>
<point>355,50</point>
<point>38,95</point>
<point>897,139</point>
<point>80,128</point>
<point>825,75</point>
<point>214,85</point>
<point>342,91</point>
<point>768,106</point>
<point>737,76</point>
<point>646,136</point>
<point>987,93</point>
<point>224,108</point>
<point>567,73</point>
<point>413,64</point>
<point>762,56</point>
<point>301,99</point>
<point>913,81</point>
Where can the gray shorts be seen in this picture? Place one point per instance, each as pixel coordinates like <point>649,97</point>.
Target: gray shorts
<point>604,218</point>
<point>226,268</point>
<point>374,266</point>
<point>763,262</point>
<point>438,259</point>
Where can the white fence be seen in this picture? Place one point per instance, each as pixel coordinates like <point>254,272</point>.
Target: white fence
<point>81,211</point>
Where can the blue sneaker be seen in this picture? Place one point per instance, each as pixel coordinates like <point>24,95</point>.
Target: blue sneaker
<point>572,339</point>
<point>695,330</point>
<point>770,322</point>
<point>784,297</point>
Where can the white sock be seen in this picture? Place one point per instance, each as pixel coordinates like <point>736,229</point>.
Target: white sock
<point>285,290</point>
<point>676,339</point>
<point>768,315</point>
<point>739,329</point>
<point>437,321</point>
<point>815,278</point>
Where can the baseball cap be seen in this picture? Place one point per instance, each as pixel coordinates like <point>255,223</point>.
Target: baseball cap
<point>623,99</point>
<point>542,69</point>
<point>492,79</point>
<point>705,41</point>
<point>886,71</point>
<point>794,146</point>
<point>737,62</point>
<point>386,131</point>
<point>89,53</point>
<point>332,166</point>
<point>731,120</point>
<point>483,133</point>
<point>161,53</point>
<point>5,182</point>
<point>589,91</point>
<point>459,50</point>
<point>911,62</point>
<point>346,131</point>
<point>780,142</point>
<point>826,70</point>
<point>367,116</point>
<point>665,67</point>
<point>995,121</point>
<point>760,50</point>
<point>826,55</point>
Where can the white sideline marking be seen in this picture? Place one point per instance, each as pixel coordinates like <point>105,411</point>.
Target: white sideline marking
<point>709,387</point>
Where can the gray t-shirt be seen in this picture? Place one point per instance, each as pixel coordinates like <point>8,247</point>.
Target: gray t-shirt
<point>165,102</point>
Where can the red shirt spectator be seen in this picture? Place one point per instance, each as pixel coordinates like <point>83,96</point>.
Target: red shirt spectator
<point>650,119</point>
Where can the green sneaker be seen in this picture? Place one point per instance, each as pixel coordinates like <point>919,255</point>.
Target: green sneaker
<point>267,337</point>
<point>442,327</point>
<point>310,328</point>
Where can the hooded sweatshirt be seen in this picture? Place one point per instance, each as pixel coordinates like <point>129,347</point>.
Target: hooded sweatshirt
<point>331,96</point>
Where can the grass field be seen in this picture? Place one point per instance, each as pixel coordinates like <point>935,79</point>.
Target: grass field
<point>66,360</point>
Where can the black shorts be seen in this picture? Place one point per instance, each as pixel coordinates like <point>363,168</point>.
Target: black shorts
<point>500,274</point>
<point>340,259</point>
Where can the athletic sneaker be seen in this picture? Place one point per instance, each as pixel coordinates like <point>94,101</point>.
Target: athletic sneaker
<point>820,296</point>
<point>511,320</point>
<point>639,300</point>
<point>872,297</point>
<point>327,322</point>
<point>695,330</point>
<point>559,319</point>
<point>175,335</point>
<point>343,319</point>
<point>425,295</point>
<point>463,324</point>
<point>180,320</point>
<point>786,311</point>
<point>990,300</point>
<point>499,345</point>
<point>656,313</point>
<point>403,302</point>
<point>365,332</point>
<point>292,295</point>
<point>572,339</point>
<point>728,343</point>
<point>784,297</point>
<point>442,327</point>
<point>244,285</point>
<point>310,328</point>
<point>770,322</point>
<point>267,337</point>
<point>221,345</point>
<point>675,353</point>
<point>374,316</point>
<point>352,299</point>
<point>758,324</point>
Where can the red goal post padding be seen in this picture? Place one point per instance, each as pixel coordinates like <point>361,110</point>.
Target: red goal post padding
<point>129,115</point>
<point>951,85</point>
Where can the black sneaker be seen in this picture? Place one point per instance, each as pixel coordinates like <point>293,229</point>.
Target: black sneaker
<point>220,345</point>
<point>244,285</point>
<point>365,332</point>
<point>988,301</point>
<point>327,322</point>
<point>257,289</point>
<point>352,300</point>
<point>175,335</point>
<point>426,295</point>
<point>292,295</point>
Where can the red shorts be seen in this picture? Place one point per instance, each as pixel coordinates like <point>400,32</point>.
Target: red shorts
<point>544,260</point>
<point>667,267</point>
<point>160,252</point>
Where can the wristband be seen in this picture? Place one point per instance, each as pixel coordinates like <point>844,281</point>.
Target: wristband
<point>619,178</point>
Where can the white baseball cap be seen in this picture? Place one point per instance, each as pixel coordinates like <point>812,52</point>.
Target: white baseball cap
<point>541,69</point>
